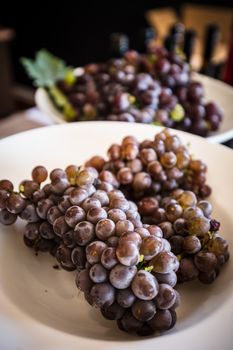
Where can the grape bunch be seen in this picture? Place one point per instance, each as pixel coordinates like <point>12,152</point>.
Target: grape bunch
<point>145,88</point>
<point>154,167</point>
<point>193,235</point>
<point>170,188</point>
<point>123,267</point>
<point>131,227</point>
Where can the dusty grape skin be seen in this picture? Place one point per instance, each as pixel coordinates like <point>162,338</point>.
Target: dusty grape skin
<point>84,233</point>
<point>128,253</point>
<point>113,312</point>
<point>151,246</point>
<point>145,285</point>
<point>98,273</point>
<point>78,257</point>
<point>168,278</point>
<point>102,295</point>
<point>94,251</point>
<point>53,213</point>
<point>73,215</point>
<point>129,323</point>
<point>143,310</point>
<point>29,213</point>
<point>187,271</point>
<point>83,280</point>
<point>60,226</point>
<point>166,297</point>
<point>164,262</point>
<point>108,258</point>
<point>116,215</point>
<point>96,214</point>
<point>125,297</point>
<point>205,261</point>
<point>162,320</point>
<point>104,229</point>
<point>123,226</point>
<point>121,276</point>
<point>15,203</point>
<point>133,237</point>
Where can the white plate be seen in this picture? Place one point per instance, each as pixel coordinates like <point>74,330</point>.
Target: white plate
<point>40,307</point>
<point>215,90</point>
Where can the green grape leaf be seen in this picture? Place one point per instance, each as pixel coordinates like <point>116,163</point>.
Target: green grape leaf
<point>46,69</point>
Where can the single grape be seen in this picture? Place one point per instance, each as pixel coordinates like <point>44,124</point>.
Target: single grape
<point>96,214</point>
<point>7,218</point>
<point>113,312</point>
<point>108,258</point>
<point>39,174</point>
<point>198,226</point>
<point>123,226</point>
<point>143,310</point>
<point>60,226</point>
<point>164,262</point>
<point>29,213</point>
<point>167,278</point>
<point>176,243</point>
<point>102,294</point>
<point>98,273</point>
<point>94,251</point>
<point>91,202</point>
<point>187,270</point>
<point>166,297</point>
<point>145,285</point>
<point>151,246</point>
<point>64,203</point>
<point>133,237</point>
<point>6,185</point>
<point>121,276</point>
<point>205,261</point>
<point>129,323</point>
<point>167,229</point>
<point>3,197</point>
<point>46,230</point>
<point>15,203</point>
<point>191,244</point>
<point>128,253</point>
<point>162,320</point>
<point>83,281</point>
<point>53,213</point>
<point>74,215</point>
<point>125,297</point>
<point>116,215</point>
<point>78,195</point>
<point>43,207</point>
<point>78,257</point>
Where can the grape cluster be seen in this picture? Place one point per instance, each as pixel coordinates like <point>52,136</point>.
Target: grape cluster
<point>123,267</point>
<point>146,88</point>
<point>154,167</point>
<point>193,235</point>
<point>170,188</point>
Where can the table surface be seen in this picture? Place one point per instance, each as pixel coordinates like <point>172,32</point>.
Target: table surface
<point>33,118</point>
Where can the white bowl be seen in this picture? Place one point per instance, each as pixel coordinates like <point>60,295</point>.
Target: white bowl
<point>40,308</point>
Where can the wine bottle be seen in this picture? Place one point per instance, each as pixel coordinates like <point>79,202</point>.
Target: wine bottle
<point>211,40</point>
<point>189,43</point>
<point>144,37</point>
<point>119,44</point>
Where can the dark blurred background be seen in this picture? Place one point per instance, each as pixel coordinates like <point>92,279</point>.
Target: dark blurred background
<point>79,32</point>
